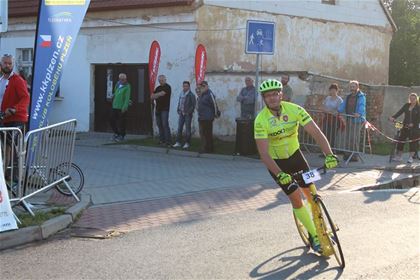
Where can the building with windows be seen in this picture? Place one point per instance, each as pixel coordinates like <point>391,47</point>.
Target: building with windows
<point>338,38</point>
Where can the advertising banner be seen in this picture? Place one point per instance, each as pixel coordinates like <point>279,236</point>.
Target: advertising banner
<point>7,220</point>
<point>154,59</point>
<point>200,63</point>
<point>58,24</point>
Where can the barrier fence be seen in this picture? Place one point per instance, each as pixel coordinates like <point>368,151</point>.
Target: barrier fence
<point>345,133</point>
<point>40,161</point>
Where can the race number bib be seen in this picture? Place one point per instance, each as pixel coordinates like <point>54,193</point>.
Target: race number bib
<point>311,176</point>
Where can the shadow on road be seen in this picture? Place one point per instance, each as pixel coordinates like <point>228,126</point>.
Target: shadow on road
<point>281,198</point>
<point>378,196</point>
<point>290,262</point>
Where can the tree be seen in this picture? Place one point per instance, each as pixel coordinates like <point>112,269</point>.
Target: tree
<point>404,61</point>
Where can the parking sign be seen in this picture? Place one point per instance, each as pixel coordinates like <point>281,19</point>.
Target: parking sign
<point>259,37</point>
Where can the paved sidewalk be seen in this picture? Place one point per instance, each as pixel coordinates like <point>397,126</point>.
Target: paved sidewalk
<point>118,173</point>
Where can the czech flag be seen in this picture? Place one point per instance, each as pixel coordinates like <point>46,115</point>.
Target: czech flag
<point>45,41</point>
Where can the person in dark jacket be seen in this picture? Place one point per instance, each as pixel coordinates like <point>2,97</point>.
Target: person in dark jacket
<point>206,114</point>
<point>186,106</point>
<point>247,99</point>
<point>410,130</point>
<point>162,97</point>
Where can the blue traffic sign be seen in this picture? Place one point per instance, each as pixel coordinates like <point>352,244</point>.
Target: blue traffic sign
<point>259,37</point>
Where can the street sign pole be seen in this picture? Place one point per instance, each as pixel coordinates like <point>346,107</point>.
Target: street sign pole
<point>257,84</point>
<point>259,40</point>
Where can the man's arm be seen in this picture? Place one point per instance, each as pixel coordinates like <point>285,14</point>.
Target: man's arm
<point>24,99</point>
<point>249,98</point>
<point>127,97</point>
<point>262,146</point>
<point>240,96</point>
<point>361,108</point>
<point>158,94</point>
<point>342,107</point>
<point>319,137</point>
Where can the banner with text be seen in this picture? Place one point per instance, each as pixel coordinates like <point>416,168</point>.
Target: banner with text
<point>154,60</point>
<point>59,23</point>
<point>7,220</point>
<point>200,63</point>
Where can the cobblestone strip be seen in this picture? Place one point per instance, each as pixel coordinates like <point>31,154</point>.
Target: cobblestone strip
<point>140,215</point>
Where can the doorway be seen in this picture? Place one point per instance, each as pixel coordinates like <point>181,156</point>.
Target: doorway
<point>139,118</point>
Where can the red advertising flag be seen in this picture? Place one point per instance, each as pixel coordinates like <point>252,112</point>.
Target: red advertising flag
<point>154,59</point>
<point>200,63</point>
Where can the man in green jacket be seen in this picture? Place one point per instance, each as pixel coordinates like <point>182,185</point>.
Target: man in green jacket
<point>120,102</point>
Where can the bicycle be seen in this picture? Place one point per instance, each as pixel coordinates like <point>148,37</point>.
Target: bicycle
<point>327,232</point>
<point>76,179</point>
<point>399,126</point>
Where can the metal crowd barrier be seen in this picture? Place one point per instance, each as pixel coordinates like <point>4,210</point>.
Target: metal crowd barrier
<point>345,133</point>
<point>12,155</point>
<point>44,160</point>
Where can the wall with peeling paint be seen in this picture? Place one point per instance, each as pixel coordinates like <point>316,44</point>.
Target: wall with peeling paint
<point>362,12</point>
<point>348,51</point>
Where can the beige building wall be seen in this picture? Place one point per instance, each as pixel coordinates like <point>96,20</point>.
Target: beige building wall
<point>343,50</point>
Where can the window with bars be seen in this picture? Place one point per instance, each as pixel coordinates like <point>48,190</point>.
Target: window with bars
<point>24,64</point>
<point>24,61</point>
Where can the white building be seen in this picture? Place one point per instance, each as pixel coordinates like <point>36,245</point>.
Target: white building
<point>343,38</point>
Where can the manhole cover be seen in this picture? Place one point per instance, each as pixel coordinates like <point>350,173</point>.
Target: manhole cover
<point>94,233</point>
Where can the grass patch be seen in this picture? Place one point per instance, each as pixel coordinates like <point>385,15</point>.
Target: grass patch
<point>384,148</point>
<point>220,146</point>
<point>40,217</point>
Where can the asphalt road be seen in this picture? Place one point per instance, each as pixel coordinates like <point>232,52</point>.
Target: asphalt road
<point>379,232</point>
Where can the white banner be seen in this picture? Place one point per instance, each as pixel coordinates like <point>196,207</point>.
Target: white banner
<point>7,220</point>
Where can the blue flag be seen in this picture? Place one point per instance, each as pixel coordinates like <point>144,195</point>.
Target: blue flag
<point>59,23</point>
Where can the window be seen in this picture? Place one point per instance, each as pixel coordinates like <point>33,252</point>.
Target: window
<point>24,64</point>
<point>24,61</point>
<point>330,2</point>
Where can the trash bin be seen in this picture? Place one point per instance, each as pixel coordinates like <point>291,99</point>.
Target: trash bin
<point>245,142</point>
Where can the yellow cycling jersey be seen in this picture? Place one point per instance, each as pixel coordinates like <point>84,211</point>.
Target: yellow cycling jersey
<point>281,132</point>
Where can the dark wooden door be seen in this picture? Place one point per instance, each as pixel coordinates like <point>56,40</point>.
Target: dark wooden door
<point>139,118</point>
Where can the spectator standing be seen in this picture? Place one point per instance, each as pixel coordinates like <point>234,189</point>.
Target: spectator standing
<point>206,114</point>
<point>354,106</point>
<point>120,103</point>
<point>410,130</point>
<point>185,109</point>
<point>14,95</point>
<point>247,99</point>
<point>14,98</point>
<point>330,106</point>
<point>162,97</point>
<point>287,89</point>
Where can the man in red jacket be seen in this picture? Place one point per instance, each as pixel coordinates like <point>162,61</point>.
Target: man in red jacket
<point>14,98</point>
<point>14,95</point>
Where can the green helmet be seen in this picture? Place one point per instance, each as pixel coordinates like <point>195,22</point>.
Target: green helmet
<point>270,84</point>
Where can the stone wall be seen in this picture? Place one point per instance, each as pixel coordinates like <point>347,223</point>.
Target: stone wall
<point>381,101</point>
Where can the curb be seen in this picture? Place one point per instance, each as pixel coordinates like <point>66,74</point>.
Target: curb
<point>25,235</point>
<point>172,151</point>
<point>405,183</point>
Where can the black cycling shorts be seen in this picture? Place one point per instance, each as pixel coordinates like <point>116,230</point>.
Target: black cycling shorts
<point>293,164</point>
